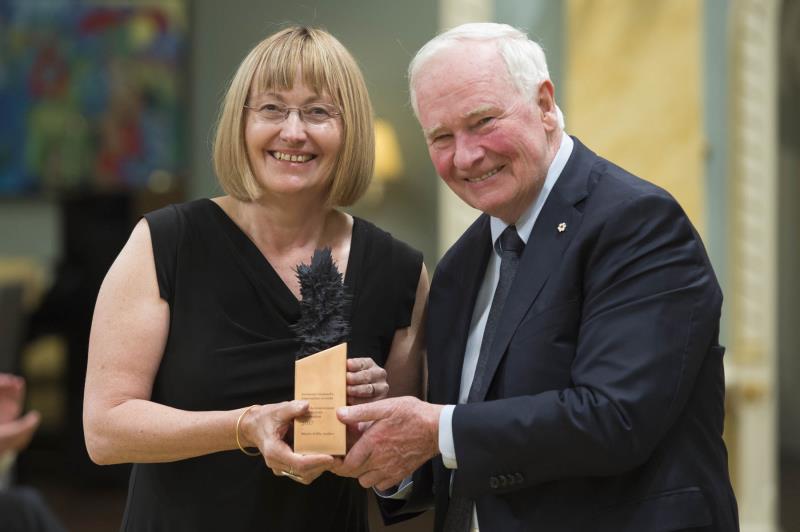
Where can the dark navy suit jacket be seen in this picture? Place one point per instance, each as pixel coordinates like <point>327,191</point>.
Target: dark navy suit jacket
<point>603,409</point>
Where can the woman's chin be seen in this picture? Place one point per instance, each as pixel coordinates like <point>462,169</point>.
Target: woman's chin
<point>294,189</point>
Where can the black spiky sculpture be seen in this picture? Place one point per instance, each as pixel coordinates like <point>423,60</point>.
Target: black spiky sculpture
<point>324,305</point>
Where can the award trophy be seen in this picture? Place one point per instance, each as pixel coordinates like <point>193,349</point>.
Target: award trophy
<point>321,366</point>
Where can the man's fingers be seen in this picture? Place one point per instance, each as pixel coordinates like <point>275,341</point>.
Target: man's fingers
<point>30,421</point>
<point>9,380</point>
<point>15,435</point>
<point>376,479</point>
<point>12,393</point>
<point>366,412</point>
<point>24,425</point>
<point>355,461</point>
<point>388,483</point>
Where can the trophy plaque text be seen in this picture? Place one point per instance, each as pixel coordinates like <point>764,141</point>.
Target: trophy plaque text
<point>320,379</point>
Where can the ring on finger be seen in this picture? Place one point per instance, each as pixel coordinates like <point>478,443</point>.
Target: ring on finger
<point>291,475</point>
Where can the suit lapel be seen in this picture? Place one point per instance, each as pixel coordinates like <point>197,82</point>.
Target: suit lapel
<point>542,253</point>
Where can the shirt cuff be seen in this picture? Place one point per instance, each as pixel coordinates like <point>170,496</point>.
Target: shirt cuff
<point>446,444</point>
<point>402,492</point>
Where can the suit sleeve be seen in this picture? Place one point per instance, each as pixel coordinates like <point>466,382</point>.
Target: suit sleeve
<point>650,311</point>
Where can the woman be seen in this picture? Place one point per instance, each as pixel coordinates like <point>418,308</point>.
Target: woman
<point>192,323</point>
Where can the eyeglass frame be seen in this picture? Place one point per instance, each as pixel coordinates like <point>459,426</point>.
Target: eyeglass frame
<point>331,109</point>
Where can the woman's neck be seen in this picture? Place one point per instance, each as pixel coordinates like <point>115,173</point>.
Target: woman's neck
<point>279,227</point>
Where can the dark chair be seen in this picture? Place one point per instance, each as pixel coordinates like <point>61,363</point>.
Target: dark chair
<point>11,332</point>
<point>94,226</point>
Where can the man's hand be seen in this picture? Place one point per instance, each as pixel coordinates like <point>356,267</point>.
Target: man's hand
<point>403,435</point>
<point>12,393</point>
<point>15,435</point>
<point>15,432</point>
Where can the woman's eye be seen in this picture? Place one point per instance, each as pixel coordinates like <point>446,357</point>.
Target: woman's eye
<point>270,107</point>
<point>317,111</point>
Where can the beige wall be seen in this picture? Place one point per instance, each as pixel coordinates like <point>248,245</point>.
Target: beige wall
<point>633,90</point>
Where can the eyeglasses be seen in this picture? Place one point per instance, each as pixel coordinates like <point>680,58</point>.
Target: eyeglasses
<point>314,114</point>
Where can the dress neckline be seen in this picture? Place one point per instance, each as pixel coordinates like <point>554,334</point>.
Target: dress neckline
<point>250,249</point>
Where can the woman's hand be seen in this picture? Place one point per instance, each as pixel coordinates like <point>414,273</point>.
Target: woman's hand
<point>266,427</point>
<point>366,381</point>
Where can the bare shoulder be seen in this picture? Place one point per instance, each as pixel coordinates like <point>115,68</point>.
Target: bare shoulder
<point>130,287</point>
<point>134,267</point>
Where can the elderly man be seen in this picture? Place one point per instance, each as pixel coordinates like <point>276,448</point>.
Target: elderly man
<point>575,375</point>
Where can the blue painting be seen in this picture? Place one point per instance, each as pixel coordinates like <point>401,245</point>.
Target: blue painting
<point>92,96</point>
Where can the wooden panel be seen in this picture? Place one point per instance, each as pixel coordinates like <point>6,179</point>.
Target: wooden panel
<point>633,90</point>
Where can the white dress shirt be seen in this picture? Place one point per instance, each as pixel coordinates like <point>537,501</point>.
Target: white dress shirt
<point>484,302</point>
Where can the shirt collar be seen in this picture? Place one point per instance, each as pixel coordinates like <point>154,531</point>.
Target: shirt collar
<point>528,218</point>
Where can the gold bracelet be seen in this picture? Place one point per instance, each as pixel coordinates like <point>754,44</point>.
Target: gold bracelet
<point>238,443</point>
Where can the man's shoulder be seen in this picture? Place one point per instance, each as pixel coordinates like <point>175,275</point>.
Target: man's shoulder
<point>611,185</point>
<point>590,179</point>
<point>619,199</point>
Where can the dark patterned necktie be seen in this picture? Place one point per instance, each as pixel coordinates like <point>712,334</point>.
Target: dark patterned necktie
<point>510,247</point>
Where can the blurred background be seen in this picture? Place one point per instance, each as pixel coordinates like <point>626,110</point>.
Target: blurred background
<point>107,110</point>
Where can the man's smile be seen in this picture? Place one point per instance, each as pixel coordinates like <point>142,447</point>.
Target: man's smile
<point>485,176</point>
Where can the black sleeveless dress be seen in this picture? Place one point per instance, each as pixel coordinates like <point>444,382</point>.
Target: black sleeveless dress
<point>230,346</point>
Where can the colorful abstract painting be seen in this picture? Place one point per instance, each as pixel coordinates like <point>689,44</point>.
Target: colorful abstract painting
<point>92,96</point>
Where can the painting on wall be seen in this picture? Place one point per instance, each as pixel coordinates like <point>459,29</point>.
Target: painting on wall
<point>92,96</point>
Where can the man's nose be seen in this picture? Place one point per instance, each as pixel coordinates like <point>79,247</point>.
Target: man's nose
<point>468,152</point>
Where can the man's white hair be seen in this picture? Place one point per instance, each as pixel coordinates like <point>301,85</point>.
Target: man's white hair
<point>524,58</point>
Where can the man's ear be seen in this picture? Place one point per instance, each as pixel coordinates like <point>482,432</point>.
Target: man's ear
<point>546,101</point>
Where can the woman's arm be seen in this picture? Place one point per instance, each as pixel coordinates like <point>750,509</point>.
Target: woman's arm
<point>405,364</point>
<point>121,423</point>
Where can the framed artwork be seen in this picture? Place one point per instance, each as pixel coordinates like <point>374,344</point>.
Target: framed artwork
<point>92,96</point>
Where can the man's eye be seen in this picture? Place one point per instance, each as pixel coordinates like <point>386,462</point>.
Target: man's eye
<point>439,139</point>
<point>485,120</point>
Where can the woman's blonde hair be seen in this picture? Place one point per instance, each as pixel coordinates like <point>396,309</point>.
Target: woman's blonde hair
<point>326,67</point>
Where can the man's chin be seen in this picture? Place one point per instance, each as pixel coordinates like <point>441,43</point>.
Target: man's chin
<point>490,206</point>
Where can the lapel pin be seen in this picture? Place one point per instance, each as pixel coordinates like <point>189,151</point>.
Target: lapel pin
<point>562,227</point>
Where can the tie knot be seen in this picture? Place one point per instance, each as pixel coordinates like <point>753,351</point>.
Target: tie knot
<point>510,241</point>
